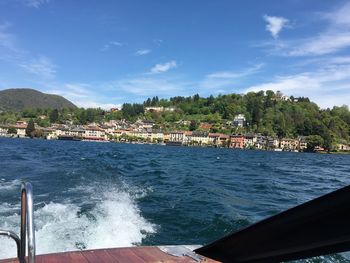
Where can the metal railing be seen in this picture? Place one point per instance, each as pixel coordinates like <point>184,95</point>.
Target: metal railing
<point>27,226</point>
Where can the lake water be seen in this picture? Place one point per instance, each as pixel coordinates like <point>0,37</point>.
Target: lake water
<point>95,195</point>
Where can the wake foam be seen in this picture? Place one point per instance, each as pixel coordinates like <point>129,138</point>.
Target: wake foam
<point>113,221</point>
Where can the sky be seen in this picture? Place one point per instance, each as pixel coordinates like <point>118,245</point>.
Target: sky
<point>103,53</point>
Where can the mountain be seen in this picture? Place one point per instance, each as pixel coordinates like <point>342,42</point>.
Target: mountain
<point>19,99</point>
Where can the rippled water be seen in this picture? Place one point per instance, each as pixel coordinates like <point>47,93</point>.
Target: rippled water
<point>95,195</point>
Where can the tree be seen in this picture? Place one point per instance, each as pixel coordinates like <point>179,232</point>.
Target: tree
<point>313,141</point>
<point>30,128</point>
<point>54,116</point>
<point>12,130</point>
<point>193,125</point>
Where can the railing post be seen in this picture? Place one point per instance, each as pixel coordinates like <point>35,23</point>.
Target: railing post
<point>27,226</point>
<point>23,222</point>
<point>27,222</point>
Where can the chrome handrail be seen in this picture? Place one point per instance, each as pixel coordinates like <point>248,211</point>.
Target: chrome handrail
<point>12,235</point>
<point>27,221</point>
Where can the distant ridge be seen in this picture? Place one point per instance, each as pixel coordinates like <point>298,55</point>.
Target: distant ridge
<point>19,99</point>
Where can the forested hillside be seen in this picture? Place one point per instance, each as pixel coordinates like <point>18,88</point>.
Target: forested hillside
<point>20,99</point>
<point>267,113</point>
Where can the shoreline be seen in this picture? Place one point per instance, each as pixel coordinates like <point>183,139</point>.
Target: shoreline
<point>183,145</point>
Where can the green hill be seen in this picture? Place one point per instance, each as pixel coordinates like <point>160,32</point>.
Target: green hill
<point>19,99</point>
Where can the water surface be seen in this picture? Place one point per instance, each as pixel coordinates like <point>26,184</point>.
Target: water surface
<point>95,195</point>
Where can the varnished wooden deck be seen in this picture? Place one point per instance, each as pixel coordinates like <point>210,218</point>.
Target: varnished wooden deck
<point>113,255</point>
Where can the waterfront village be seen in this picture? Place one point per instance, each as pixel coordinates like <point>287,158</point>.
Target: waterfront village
<point>143,132</point>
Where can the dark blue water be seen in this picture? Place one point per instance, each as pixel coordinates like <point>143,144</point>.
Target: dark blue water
<point>93,195</point>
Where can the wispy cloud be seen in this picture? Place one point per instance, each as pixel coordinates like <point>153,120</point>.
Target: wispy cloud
<point>328,86</point>
<point>334,38</point>
<point>221,80</point>
<point>160,68</point>
<point>142,52</point>
<point>275,24</point>
<point>36,3</point>
<point>149,86</point>
<point>82,95</point>
<point>111,44</point>
<point>158,42</point>
<point>8,48</point>
<point>41,67</point>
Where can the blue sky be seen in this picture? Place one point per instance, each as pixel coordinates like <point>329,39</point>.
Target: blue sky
<point>104,53</point>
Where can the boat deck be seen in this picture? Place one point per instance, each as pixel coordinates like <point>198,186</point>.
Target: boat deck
<point>111,255</point>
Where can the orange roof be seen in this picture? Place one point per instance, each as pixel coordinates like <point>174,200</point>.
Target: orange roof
<point>205,126</point>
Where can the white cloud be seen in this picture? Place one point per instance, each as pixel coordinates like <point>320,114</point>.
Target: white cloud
<point>327,86</point>
<point>8,48</point>
<point>82,95</point>
<point>110,44</point>
<point>219,81</point>
<point>36,3</point>
<point>41,67</point>
<point>160,68</point>
<point>142,52</point>
<point>150,86</point>
<point>275,24</point>
<point>339,16</point>
<point>334,38</point>
<point>326,43</point>
<point>158,42</point>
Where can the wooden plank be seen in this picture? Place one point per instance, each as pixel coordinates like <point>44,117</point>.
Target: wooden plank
<point>99,256</point>
<point>76,257</point>
<point>113,255</point>
<point>159,255</point>
<point>140,252</point>
<point>125,255</point>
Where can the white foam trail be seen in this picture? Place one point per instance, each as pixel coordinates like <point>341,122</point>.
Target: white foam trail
<point>10,185</point>
<point>115,221</point>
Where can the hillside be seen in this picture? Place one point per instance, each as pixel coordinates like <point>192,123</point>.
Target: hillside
<point>19,99</point>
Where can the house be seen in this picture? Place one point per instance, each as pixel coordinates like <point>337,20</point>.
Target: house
<point>49,133</point>
<point>343,147</point>
<point>171,109</point>
<point>146,124</point>
<point>157,136</point>
<point>214,139</point>
<point>188,137</point>
<point>237,141</point>
<point>3,130</point>
<point>205,126</point>
<point>94,133</point>
<point>224,140</point>
<point>109,127</point>
<point>218,139</point>
<point>154,109</point>
<point>200,138</point>
<point>239,120</point>
<point>250,140</point>
<point>272,143</point>
<point>166,136</point>
<point>177,136</point>
<point>261,142</point>
<point>121,133</point>
<point>289,144</point>
<point>302,143</point>
<point>77,132</point>
<point>21,128</point>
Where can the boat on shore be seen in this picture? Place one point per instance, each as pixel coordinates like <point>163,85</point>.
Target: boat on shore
<point>173,143</point>
<point>68,138</point>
